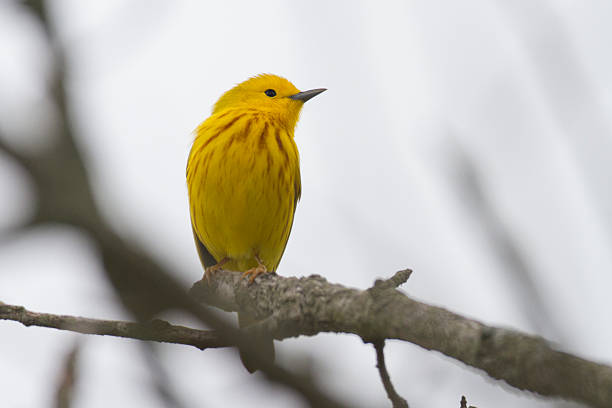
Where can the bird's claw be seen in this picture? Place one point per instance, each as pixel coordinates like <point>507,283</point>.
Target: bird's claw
<point>255,272</point>
<point>208,272</point>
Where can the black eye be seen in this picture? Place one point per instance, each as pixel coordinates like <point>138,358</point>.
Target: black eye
<point>270,92</point>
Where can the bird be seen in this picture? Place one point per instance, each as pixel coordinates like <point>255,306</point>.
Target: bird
<point>243,181</point>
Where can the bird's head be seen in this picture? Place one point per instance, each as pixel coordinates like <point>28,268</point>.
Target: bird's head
<point>267,93</point>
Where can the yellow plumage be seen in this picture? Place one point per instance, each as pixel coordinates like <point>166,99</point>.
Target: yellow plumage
<point>243,175</point>
<point>243,178</point>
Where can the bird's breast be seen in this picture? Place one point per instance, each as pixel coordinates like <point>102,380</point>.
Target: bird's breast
<point>243,180</point>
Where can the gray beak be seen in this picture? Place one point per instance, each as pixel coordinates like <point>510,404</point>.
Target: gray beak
<point>306,95</point>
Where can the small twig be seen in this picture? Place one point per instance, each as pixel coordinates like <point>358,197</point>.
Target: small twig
<point>396,399</point>
<point>464,403</point>
<point>156,330</point>
<point>393,282</point>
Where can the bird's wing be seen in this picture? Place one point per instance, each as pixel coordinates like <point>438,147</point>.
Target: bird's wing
<point>297,186</point>
<point>205,256</point>
<point>297,190</point>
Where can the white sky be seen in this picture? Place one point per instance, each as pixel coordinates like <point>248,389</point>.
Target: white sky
<point>523,88</point>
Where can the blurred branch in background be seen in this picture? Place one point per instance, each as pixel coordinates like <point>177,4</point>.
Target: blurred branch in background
<point>160,377</point>
<point>574,102</point>
<point>504,245</point>
<point>67,379</point>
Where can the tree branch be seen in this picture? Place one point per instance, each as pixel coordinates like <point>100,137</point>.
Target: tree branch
<point>156,330</point>
<point>290,307</point>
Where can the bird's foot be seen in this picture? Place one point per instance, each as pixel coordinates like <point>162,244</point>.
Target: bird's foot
<point>208,272</point>
<point>253,273</point>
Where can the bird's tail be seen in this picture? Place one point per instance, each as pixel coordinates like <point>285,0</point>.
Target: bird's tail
<point>265,345</point>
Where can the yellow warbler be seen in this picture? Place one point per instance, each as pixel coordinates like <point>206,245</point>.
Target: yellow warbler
<point>243,177</point>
